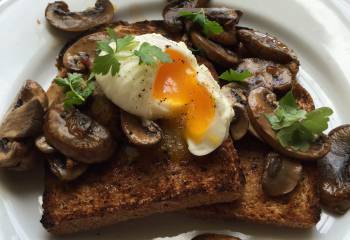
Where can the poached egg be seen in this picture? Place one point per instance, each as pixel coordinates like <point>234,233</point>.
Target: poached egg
<point>180,89</point>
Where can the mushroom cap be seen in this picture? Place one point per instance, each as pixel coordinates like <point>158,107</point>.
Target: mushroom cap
<point>214,52</point>
<point>334,171</point>
<point>281,175</point>
<point>78,136</point>
<point>59,16</point>
<point>261,101</point>
<point>140,132</point>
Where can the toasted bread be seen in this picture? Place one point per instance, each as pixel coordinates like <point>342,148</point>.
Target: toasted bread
<point>137,182</point>
<point>299,209</point>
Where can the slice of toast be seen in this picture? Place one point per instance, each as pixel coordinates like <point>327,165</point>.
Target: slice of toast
<point>140,182</point>
<point>299,209</point>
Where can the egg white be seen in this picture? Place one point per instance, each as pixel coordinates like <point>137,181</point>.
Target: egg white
<point>131,90</point>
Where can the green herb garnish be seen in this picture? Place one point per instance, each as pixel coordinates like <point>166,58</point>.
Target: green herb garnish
<point>113,50</point>
<point>208,27</point>
<point>77,90</point>
<point>234,76</point>
<point>295,127</point>
<point>149,54</point>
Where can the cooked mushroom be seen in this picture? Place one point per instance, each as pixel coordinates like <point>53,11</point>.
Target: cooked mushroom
<point>281,175</point>
<point>214,52</point>
<point>24,121</point>
<point>43,146</point>
<point>211,236</point>
<point>303,97</point>
<point>16,155</point>
<point>273,76</point>
<point>59,16</point>
<point>334,171</point>
<point>78,136</point>
<point>236,94</point>
<point>262,101</point>
<point>265,46</point>
<point>226,38</point>
<point>29,91</point>
<point>64,168</point>
<point>140,132</point>
<point>202,60</point>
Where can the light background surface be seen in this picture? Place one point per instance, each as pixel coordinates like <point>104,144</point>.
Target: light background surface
<point>317,29</point>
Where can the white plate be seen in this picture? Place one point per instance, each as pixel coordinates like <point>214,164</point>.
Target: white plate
<point>318,31</point>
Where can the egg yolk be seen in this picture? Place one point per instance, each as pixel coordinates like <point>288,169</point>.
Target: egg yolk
<point>176,83</point>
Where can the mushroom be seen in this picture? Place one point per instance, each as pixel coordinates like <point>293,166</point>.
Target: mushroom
<point>202,60</point>
<point>236,94</point>
<point>64,168</point>
<point>59,16</point>
<point>212,236</point>
<point>77,136</point>
<point>226,38</point>
<point>140,132</point>
<point>29,91</point>
<point>24,121</point>
<point>281,175</point>
<point>262,101</point>
<point>16,155</point>
<point>273,76</point>
<point>334,170</point>
<point>214,52</point>
<point>265,46</point>
<point>43,146</point>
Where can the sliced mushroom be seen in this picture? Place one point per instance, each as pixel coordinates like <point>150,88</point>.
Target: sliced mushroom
<point>273,76</point>
<point>303,97</point>
<point>334,171</point>
<point>265,46</point>
<point>226,38</point>
<point>64,168</point>
<point>78,136</point>
<point>236,94</point>
<point>262,101</point>
<point>211,236</point>
<point>29,91</point>
<point>43,146</point>
<point>281,175</point>
<point>202,60</point>
<point>214,52</point>
<point>16,155</point>
<point>24,121</point>
<point>140,132</point>
<point>59,16</point>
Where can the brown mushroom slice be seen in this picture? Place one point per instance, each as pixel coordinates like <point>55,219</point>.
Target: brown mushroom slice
<point>214,52</point>
<point>212,236</point>
<point>303,97</point>
<point>273,76</point>
<point>334,169</point>
<point>226,38</point>
<point>261,101</point>
<point>42,145</point>
<point>64,168</point>
<point>140,132</point>
<point>59,16</point>
<point>265,46</point>
<point>78,136</point>
<point>235,93</point>
<point>281,175</point>
<point>16,155</point>
<point>240,124</point>
<point>24,121</point>
<point>29,91</point>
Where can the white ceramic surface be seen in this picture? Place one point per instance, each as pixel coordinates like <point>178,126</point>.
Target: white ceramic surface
<point>317,29</point>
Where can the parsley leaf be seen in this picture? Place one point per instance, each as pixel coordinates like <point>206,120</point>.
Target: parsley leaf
<point>295,127</point>
<point>234,76</point>
<point>208,27</point>
<point>76,89</point>
<point>149,54</point>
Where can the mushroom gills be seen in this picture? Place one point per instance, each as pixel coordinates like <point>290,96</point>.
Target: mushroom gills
<point>64,168</point>
<point>77,136</point>
<point>334,171</point>
<point>59,16</point>
<point>281,175</point>
<point>140,132</point>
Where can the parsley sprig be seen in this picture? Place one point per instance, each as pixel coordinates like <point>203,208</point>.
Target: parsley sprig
<point>295,127</point>
<point>208,27</point>
<point>76,89</point>
<point>113,50</point>
<point>234,76</point>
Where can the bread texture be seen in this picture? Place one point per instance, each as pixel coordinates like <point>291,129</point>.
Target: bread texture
<point>299,209</point>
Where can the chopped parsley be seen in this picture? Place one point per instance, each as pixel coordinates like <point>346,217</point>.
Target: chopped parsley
<point>234,76</point>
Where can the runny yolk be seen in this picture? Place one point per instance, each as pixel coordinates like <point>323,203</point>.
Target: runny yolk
<point>176,83</point>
